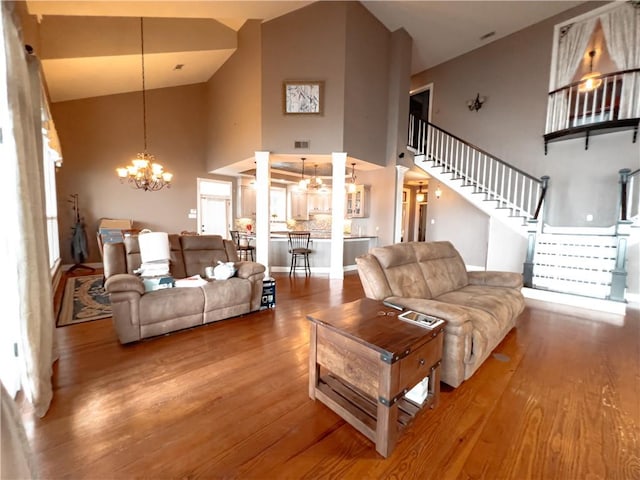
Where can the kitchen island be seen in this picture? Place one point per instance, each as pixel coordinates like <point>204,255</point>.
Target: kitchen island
<point>320,245</point>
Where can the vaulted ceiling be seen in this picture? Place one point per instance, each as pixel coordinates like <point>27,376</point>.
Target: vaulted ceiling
<point>92,48</point>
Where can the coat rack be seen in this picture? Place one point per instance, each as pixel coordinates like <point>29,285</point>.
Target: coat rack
<point>79,248</point>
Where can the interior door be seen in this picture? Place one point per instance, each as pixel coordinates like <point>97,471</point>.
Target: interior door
<point>215,215</point>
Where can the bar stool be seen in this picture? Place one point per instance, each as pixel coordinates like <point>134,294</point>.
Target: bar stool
<point>299,249</point>
<point>243,250</point>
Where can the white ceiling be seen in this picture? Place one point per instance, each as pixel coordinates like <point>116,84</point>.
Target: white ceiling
<point>441,30</point>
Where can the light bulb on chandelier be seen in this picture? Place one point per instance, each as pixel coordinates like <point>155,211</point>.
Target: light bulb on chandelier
<point>144,173</point>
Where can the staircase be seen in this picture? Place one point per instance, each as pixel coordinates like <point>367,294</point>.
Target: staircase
<point>574,261</point>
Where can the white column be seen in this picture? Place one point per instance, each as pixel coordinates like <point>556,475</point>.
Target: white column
<point>397,224</point>
<point>263,232</point>
<point>339,162</point>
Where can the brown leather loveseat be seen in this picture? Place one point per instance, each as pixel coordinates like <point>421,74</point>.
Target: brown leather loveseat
<point>138,315</point>
<point>480,307</point>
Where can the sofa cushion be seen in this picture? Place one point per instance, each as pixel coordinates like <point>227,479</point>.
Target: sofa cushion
<point>202,251</point>
<point>502,304</point>
<point>401,270</point>
<point>441,265</point>
<point>226,298</point>
<point>176,264</point>
<point>172,304</point>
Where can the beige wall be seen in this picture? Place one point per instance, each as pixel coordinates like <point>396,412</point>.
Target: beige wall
<point>308,44</point>
<point>452,218</point>
<point>381,204</point>
<point>99,134</point>
<point>366,86</point>
<point>514,75</point>
<point>234,102</point>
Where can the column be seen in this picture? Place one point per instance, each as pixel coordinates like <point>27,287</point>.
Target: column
<point>397,224</point>
<point>263,226</point>
<point>339,162</point>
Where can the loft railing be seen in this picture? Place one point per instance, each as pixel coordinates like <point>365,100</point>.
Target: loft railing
<point>574,106</point>
<point>629,194</point>
<point>485,173</point>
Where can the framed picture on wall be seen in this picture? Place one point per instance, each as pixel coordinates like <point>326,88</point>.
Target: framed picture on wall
<point>302,98</point>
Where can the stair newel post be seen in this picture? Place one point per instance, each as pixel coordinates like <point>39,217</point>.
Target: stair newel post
<point>623,227</point>
<point>624,179</point>
<point>527,272</point>
<point>544,183</point>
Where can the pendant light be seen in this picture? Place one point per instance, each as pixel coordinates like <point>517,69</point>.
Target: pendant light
<point>144,173</point>
<point>590,80</point>
<point>420,194</point>
<point>302,184</point>
<point>351,186</point>
<point>316,182</point>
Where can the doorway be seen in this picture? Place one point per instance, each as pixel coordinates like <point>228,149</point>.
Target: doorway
<point>419,110</point>
<point>422,222</point>
<point>214,207</point>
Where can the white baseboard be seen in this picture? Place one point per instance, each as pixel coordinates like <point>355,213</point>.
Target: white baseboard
<point>605,306</point>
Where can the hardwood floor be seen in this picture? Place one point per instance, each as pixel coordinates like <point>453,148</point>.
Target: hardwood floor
<point>231,400</point>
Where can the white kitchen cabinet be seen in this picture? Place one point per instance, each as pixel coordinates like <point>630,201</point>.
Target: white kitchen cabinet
<point>357,203</point>
<point>319,202</point>
<point>299,205</point>
<point>247,202</point>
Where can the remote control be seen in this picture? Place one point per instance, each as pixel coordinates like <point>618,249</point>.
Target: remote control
<point>393,305</point>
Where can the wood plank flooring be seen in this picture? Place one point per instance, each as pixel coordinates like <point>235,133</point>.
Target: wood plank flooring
<point>230,400</point>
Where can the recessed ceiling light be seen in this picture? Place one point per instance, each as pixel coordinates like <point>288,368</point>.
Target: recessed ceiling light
<point>178,66</point>
<point>487,35</point>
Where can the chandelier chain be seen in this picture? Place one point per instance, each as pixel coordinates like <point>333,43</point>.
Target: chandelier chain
<point>144,94</point>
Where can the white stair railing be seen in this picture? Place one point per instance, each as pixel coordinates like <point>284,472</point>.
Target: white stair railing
<point>509,186</point>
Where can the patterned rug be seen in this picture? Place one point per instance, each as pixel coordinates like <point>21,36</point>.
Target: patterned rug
<point>84,300</point>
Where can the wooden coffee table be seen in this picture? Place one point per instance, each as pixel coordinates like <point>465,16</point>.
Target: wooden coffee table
<point>363,359</point>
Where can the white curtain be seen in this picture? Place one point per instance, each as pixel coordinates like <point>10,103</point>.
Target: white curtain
<point>571,46</point>
<point>36,320</point>
<point>621,32</point>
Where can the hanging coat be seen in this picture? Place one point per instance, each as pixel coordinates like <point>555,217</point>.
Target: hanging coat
<point>79,243</point>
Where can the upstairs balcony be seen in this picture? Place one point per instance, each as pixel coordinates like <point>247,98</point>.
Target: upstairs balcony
<point>603,103</point>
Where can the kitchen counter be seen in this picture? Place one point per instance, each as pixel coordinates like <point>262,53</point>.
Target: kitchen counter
<point>321,235</point>
<point>320,244</point>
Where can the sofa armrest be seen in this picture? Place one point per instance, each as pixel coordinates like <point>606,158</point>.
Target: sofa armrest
<point>453,314</point>
<point>124,282</point>
<point>496,279</point>
<point>254,273</point>
<point>248,269</point>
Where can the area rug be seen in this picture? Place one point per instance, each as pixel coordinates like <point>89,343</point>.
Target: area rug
<point>84,300</point>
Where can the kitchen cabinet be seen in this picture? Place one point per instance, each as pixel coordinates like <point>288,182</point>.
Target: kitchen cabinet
<point>319,202</point>
<point>357,203</point>
<point>247,202</point>
<point>299,205</point>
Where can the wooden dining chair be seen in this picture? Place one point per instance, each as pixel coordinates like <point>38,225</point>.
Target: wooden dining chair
<point>299,249</point>
<point>242,249</point>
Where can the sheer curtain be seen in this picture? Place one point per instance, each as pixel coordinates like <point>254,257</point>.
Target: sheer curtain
<point>28,240</point>
<point>572,44</point>
<point>621,32</point>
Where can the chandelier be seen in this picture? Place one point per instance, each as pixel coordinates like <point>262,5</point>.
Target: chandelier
<point>144,173</point>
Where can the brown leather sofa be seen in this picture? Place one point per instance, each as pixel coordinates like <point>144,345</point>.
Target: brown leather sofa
<point>480,307</point>
<point>138,315</point>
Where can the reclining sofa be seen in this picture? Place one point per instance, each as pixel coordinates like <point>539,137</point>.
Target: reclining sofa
<point>430,277</point>
<point>138,314</point>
